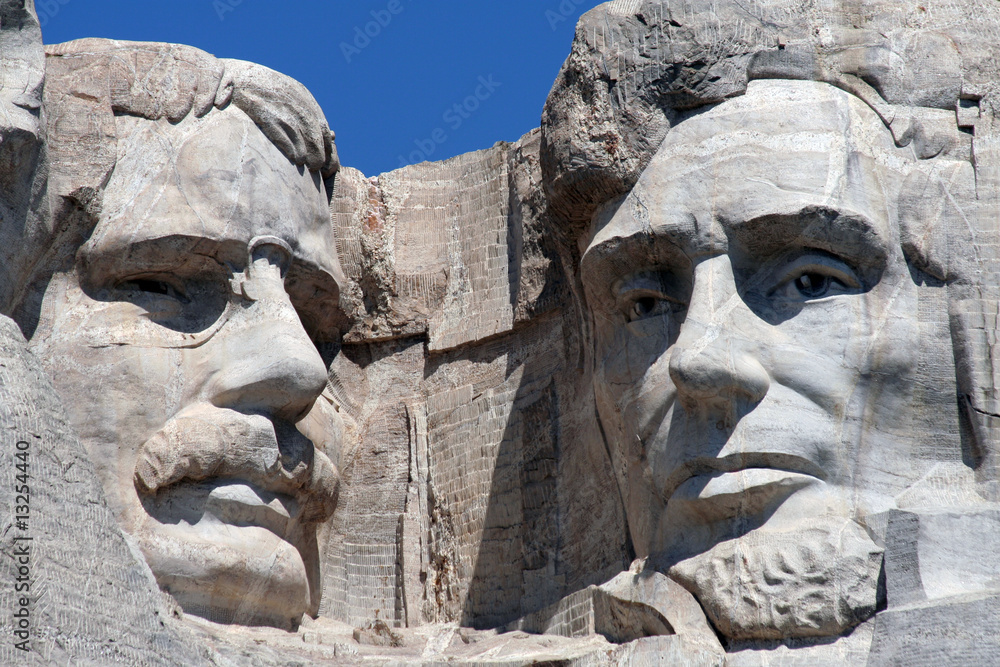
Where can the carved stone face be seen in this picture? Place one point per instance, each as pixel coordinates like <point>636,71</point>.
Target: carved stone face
<point>756,350</point>
<point>22,68</point>
<point>182,345</point>
<point>20,99</point>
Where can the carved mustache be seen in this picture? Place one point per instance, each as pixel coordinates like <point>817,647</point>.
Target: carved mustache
<point>735,463</point>
<point>205,442</point>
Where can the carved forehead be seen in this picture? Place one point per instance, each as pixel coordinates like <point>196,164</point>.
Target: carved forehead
<point>773,112</point>
<point>659,60</point>
<point>216,178</point>
<point>782,147</point>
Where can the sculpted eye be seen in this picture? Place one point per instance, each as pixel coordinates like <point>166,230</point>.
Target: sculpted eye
<point>817,276</point>
<point>650,294</point>
<point>815,285</point>
<point>644,306</point>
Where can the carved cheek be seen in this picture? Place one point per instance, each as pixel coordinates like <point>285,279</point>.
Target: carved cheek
<point>821,352</point>
<point>633,389</point>
<point>627,351</point>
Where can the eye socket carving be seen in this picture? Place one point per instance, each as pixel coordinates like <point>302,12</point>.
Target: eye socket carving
<point>186,303</point>
<point>650,294</point>
<point>644,305</point>
<point>815,285</point>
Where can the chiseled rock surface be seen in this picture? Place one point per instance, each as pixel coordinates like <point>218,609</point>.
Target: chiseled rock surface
<point>91,598</point>
<point>476,445</point>
<point>785,218</point>
<point>730,311</point>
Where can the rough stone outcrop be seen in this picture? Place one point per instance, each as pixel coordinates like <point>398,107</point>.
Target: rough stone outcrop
<point>461,375</point>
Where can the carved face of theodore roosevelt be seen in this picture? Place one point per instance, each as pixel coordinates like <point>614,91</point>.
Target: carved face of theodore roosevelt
<point>756,349</point>
<point>181,342</point>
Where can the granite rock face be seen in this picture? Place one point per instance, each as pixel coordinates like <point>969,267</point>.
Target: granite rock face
<point>197,278</point>
<point>89,596</point>
<point>737,180</point>
<point>22,158</point>
<point>728,315</point>
<point>463,381</point>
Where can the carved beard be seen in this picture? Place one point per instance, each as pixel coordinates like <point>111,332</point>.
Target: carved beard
<point>817,581</point>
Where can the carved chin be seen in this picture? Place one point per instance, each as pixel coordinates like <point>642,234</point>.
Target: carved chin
<point>818,581</point>
<point>236,575</point>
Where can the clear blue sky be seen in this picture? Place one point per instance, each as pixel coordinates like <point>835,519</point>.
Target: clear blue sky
<point>390,97</point>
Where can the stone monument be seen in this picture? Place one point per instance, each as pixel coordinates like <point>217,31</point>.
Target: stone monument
<point>790,309</point>
<point>205,273</point>
<point>74,590</point>
<point>699,372</point>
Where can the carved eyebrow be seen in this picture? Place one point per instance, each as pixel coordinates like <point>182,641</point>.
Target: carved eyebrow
<point>840,232</point>
<point>606,261</point>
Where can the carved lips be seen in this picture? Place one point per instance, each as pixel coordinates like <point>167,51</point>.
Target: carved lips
<point>744,483</point>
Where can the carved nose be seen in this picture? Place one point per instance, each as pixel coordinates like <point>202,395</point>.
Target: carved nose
<point>266,362</point>
<point>712,360</point>
<point>716,371</point>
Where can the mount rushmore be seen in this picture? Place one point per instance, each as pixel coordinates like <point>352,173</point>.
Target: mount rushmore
<point>701,371</point>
